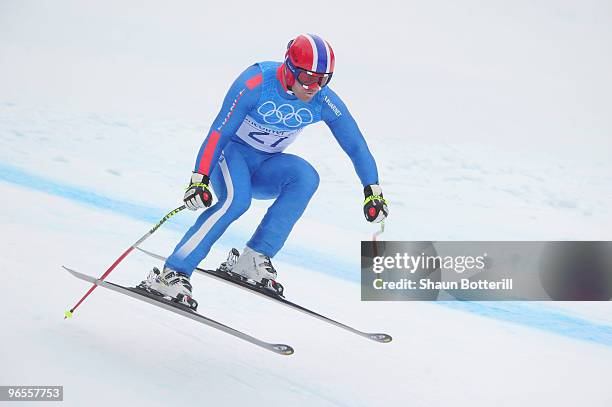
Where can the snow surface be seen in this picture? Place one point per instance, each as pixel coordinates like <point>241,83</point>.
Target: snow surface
<point>498,130</point>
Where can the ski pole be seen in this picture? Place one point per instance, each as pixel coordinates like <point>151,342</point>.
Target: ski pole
<point>380,231</point>
<point>375,235</point>
<point>68,314</point>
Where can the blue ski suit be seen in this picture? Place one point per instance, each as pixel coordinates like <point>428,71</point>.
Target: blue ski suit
<point>243,157</point>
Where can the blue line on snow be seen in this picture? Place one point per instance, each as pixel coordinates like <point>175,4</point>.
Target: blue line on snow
<point>538,315</point>
<point>534,315</point>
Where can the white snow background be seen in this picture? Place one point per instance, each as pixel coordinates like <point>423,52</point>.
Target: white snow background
<point>488,120</point>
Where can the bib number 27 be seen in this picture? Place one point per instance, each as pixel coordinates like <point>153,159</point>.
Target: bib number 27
<point>254,135</point>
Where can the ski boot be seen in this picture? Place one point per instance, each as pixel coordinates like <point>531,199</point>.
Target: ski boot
<point>254,268</point>
<point>170,284</point>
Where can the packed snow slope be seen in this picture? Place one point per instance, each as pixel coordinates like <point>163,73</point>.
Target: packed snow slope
<point>488,122</point>
<point>119,350</point>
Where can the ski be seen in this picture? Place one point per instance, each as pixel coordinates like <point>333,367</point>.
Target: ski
<point>226,278</point>
<point>183,310</point>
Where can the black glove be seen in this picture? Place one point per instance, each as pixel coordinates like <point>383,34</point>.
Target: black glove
<point>375,206</point>
<point>198,194</point>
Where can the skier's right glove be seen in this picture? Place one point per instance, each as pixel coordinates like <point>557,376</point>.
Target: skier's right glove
<point>375,206</point>
<point>198,193</point>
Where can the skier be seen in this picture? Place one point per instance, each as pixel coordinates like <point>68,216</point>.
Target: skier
<point>242,158</point>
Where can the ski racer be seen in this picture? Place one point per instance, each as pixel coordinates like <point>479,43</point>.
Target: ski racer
<point>242,158</point>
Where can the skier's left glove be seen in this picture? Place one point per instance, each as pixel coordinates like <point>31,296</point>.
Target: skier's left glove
<point>375,206</point>
<point>198,193</point>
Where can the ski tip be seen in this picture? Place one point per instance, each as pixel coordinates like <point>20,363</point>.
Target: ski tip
<point>67,314</point>
<point>382,338</point>
<point>283,349</point>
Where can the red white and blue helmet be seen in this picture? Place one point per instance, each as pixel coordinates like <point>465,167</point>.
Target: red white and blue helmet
<point>309,54</point>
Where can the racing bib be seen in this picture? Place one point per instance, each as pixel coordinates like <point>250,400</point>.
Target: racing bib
<point>264,138</point>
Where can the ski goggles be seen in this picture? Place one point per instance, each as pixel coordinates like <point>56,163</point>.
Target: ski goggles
<point>309,79</point>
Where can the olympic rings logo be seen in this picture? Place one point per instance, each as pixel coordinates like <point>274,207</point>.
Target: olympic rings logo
<point>284,113</point>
